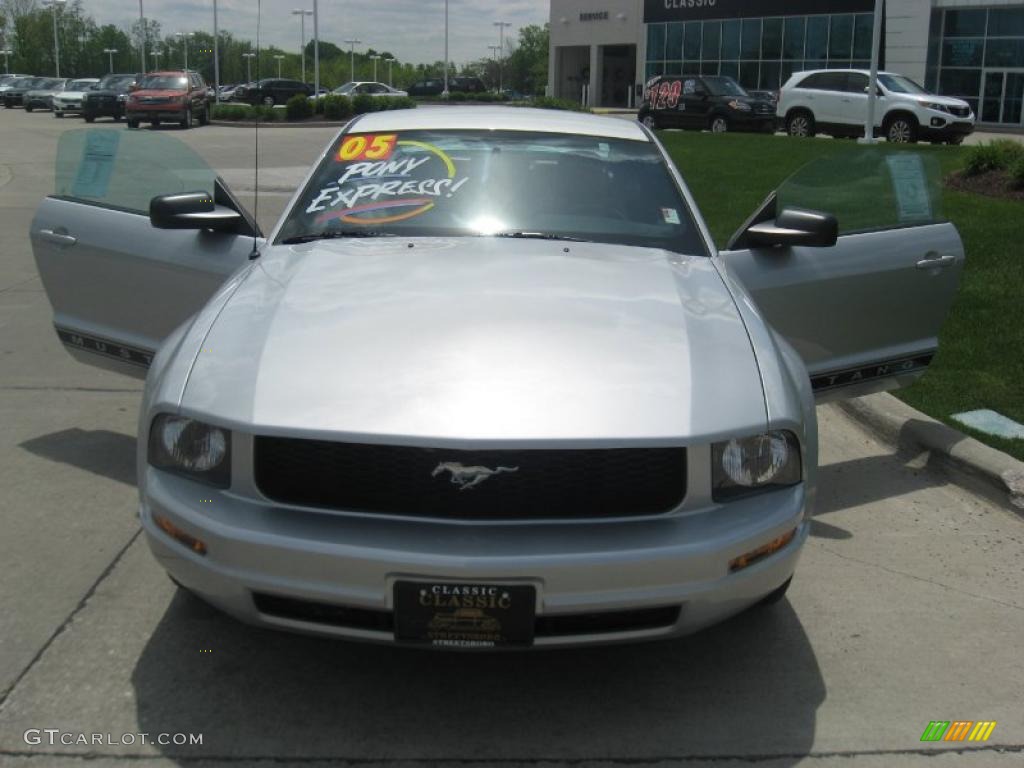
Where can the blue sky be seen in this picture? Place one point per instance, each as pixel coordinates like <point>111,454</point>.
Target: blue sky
<point>413,30</point>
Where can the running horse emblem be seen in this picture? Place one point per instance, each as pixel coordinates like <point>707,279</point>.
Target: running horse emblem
<point>468,477</point>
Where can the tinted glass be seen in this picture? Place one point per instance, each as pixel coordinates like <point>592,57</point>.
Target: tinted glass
<point>126,169</point>
<point>856,82</point>
<point>840,41</point>
<point>771,39</point>
<point>479,183</point>
<point>963,52</point>
<point>1006,22</point>
<point>164,83</point>
<point>749,74</point>
<point>965,23</point>
<point>655,42</point>
<point>731,40</point>
<point>1004,53</point>
<point>723,86</point>
<point>960,82</point>
<point>793,44</point>
<point>817,37</point>
<point>691,41</point>
<point>863,29</point>
<point>750,47</point>
<point>674,42</point>
<point>770,75</point>
<point>712,40</point>
<point>79,85</point>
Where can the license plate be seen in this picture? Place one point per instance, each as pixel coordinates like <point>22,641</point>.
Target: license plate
<point>461,615</point>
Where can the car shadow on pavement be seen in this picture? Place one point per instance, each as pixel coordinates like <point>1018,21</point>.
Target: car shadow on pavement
<point>105,453</point>
<point>750,686</point>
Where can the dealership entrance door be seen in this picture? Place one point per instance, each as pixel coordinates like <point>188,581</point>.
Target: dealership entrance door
<point>1002,97</point>
<point>618,71</point>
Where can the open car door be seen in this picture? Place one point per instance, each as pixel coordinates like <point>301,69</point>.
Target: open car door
<point>862,305</point>
<point>117,283</point>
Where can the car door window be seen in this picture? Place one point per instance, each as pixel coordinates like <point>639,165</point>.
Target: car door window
<point>857,82</point>
<point>126,169</point>
<point>869,189</point>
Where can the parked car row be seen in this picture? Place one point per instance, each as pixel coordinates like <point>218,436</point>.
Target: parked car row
<point>173,96</point>
<point>832,101</point>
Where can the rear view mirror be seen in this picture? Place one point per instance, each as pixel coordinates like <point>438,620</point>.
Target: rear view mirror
<point>192,210</point>
<point>795,226</point>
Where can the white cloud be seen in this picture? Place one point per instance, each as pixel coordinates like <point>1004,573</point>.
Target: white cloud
<point>412,30</point>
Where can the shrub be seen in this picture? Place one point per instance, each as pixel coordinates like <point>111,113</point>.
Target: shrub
<point>395,102</point>
<point>546,102</point>
<point>998,155</point>
<point>337,107</point>
<point>230,112</point>
<point>299,107</point>
<point>364,103</point>
<point>456,96</point>
<point>1017,172</point>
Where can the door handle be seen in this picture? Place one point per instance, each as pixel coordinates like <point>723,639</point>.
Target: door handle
<point>937,262</point>
<point>57,237</point>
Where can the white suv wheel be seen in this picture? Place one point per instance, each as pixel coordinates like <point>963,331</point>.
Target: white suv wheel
<point>901,131</point>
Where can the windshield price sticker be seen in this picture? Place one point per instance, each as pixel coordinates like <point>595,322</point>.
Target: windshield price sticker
<point>385,180</point>
<point>910,183</point>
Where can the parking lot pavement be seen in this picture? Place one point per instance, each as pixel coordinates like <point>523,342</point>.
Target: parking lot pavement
<point>908,605</point>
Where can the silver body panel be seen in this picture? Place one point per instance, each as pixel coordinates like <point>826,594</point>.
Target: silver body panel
<point>476,342</point>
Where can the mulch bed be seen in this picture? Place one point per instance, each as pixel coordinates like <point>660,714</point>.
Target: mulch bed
<point>992,184</point>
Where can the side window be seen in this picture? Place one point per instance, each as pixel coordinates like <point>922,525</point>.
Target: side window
<point>857,83</point>
<point>194,79</point>
<point>815,82</point>
<point>833,81</point>
<point>378,89</point>
<point>868,189</point>
<point>126,169</point>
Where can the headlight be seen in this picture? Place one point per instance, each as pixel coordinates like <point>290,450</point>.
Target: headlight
<point>937,107</point>
<point>191,448</point>
<point>742,106</point>
<point>122,97</point>
<point>746,465</point>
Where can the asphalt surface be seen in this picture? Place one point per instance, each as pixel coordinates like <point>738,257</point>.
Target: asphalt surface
<point>908,605</point>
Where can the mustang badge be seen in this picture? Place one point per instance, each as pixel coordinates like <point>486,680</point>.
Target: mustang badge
<point>468,477</point>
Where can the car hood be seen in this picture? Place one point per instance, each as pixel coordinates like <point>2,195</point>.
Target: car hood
<point>71,94</point>
<point>946,101</point>
<point>479,339</point>
<point>142,94</point>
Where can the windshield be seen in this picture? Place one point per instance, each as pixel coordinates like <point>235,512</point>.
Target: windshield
<point>724,86</point>
<point>346,88</point>
<point>113,83</point>
<point>164,83</point>
<point>512,183</point>
<point>901,84</point>
<point>80,85</point>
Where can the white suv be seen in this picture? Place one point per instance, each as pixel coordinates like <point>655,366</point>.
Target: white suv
<point>834,101</point>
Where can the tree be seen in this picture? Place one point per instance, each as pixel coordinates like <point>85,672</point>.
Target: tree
<point>526,69</point>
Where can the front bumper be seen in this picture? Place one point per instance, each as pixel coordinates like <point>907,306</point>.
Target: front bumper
<point>944,127</point>
<point>103,108</point>
<point>583,567</point>
<point>168,112</point>
<point>67,106</point>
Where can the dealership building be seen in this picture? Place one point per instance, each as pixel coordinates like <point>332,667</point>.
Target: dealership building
<point>603,50</point>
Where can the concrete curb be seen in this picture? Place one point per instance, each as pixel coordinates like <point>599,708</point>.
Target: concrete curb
<point>276,124</point>
<point>994,473</point>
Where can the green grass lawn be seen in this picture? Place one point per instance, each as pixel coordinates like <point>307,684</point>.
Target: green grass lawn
<point>981,351</point>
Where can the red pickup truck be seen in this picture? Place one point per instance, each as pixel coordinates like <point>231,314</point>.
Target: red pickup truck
<point>174,96</point>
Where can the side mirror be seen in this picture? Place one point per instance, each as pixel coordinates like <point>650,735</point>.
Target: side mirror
<point>795,226</point>
<point>192,210</point>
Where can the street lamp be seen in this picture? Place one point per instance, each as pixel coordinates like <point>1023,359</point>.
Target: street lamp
<point>216,55</point>
<point>184,42</point>
<point>142,35</point>
<point>302,25</point>
<point>391,80</point>
<point>494,52</point>
<point>376,58</point>
<point>248,66</point>
<point>110,52</point>
<point>7,52</point>
<point>444,93</point>
<point>501,38</point>
<point>278,56</point>
<point>55,4</point>
<point>352,59</point>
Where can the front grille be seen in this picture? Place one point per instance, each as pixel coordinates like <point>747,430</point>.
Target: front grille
<point>525,484</point>
<point>604,622</point>
<point>960,111</point>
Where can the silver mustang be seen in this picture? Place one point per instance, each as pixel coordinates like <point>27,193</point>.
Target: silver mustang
<point>489,364</point>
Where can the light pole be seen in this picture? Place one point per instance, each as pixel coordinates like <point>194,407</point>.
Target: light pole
<point>184,43</point>
<point>216,55</point>
<point>110,52</point>
<point>444,93</point>
<point>501,44</point>
<point>278,56</point>
<point>391,80</point>
<point>376,58</point>
<point>55,4</point>
<point>7,60</point>
<point>316,50</point>
<point>494,53</point>
<point>352,59</point>
<point>142,35</point>
<point>248,66</point>
<point>876,42</point>
<point>302,26</point>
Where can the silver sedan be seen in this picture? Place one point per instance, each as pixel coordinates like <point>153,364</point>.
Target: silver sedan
<point>488,383</point>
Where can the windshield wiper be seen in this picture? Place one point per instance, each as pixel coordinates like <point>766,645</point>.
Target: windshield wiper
<point>540,236</point>
<point>336,234</point>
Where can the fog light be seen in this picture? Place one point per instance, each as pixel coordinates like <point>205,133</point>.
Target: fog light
<point>179,535</point>
<point>938,122</point>
<point>751,557</point>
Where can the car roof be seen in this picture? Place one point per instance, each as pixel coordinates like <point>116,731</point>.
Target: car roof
<point>501,118</point>
<point>858,71</point>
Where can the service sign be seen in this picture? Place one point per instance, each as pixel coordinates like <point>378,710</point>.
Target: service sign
<point>687,10</point>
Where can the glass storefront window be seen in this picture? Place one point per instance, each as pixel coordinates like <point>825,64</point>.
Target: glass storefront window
<point>674,42</point>
<point>965,23</point>
<point>771,39</point>
<point>817,37</point>
<point>840,39</point>
<point>863,29</point>
<point>691,41</point>
<point>709,68</point>
<point>731,39</point>
<point>770,73</point>
<point>963,52</point>
<point>1005,52</point>
<point>1006,22</point>
<point>655,42</point>
<point>793,45</point>
<point>750,47</point>
<point>749,74</point>
<point>730,69</point>
<point>960,82</point>
<point>712,41</point>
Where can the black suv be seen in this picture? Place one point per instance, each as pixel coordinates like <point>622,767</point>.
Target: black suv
<point>107,98</point>
<point>434,86</point>
<point>271,91</point>
<point>715,102</point>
